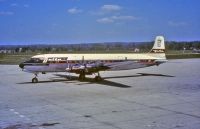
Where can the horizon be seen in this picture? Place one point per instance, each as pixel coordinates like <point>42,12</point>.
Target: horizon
<point>60,22</point>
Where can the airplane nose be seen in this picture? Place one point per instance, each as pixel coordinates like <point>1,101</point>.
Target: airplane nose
<point>21,65</point>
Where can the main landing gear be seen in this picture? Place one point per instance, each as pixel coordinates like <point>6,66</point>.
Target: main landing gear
<point>98,78</point>
<point>82,75</point>
<point>35,80</point>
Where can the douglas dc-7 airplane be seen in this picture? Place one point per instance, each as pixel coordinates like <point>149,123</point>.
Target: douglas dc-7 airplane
<point>88,64</point>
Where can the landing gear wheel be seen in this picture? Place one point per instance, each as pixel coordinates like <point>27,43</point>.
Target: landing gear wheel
<point>98,78</point>
<point>34,80</point>
<point>82,75</point>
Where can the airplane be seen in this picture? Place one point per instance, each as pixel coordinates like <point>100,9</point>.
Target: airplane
<point>92,64</point>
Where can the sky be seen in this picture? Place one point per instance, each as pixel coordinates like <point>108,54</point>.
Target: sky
<point>92,21</point>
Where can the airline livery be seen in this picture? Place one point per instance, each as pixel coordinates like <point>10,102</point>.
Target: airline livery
<point>88,64</point>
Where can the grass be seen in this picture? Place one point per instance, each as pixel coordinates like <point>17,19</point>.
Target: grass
<point>182,56</point>
<point>13,58</point>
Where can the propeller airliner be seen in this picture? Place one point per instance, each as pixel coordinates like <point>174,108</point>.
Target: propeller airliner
<point>92,64</point>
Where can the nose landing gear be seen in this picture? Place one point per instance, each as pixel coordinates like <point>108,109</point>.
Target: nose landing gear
<point>35,80</point>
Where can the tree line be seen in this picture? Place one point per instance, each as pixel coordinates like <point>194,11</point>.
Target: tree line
<point>95,47</point>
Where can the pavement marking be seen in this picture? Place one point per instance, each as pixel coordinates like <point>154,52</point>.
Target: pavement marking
<point>22,116</point>
<point>12,110</point>
<point>16,113</point>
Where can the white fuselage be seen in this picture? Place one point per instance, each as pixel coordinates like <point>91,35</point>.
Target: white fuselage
<point>67,62</point>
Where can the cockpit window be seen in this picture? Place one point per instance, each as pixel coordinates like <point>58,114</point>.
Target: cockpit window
<point>35,60</point>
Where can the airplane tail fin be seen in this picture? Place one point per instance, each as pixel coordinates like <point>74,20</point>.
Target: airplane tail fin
<point>158,50</point>
<point>159,45</point>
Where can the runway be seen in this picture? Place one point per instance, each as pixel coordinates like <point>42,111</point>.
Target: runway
<point>163,97</point>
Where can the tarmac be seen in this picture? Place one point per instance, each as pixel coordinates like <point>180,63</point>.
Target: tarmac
<point>163,97</point>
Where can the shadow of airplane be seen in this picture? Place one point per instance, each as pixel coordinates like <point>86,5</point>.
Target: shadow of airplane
<point>140,75</point>
<point>49,81</point>
<point>110,83</point>
<point>92,81</point>
<point>74,79</point>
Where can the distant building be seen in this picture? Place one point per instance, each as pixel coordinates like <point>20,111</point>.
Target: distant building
<point>196,50</point>
<point>70,50</point>
<point>7,51</point>
<point>20,50</point>
<point>136,50</point>
<point>53,49</point>
<point>2,51</point>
